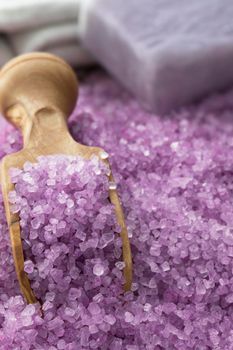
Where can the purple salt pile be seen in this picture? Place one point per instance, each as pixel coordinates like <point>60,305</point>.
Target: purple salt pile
<point>71,245</point>
<point>175,178</point>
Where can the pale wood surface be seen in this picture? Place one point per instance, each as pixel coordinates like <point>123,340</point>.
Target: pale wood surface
<point>37,94</point>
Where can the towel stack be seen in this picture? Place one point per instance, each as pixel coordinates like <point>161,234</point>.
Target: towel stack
<point>41,25</point>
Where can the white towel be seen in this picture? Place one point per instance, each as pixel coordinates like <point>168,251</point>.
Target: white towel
<point>5,50</point>
<point>41,25</point>
<point>58,38</point>
<point>25,14</point>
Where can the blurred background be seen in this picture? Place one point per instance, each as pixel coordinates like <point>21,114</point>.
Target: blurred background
<point>167,53</point>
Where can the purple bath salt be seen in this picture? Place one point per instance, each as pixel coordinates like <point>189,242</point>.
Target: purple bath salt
<point>174,177</point>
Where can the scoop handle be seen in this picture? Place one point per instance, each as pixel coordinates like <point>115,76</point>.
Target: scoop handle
<point>33,87</point>
<point>33,82</point>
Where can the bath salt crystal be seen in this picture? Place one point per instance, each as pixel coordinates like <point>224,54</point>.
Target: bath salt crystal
<point>69,312</point>
<point>112,185</point>
<point>147,307</point>
<point>165,266</point>
<point>229,298</point>
<point>120,265</point>
<point>98,269</point>
<point>61,344</point>
<point>27,321</point>
<point>28,266</point>
<point>174,177</point>
<point>98,298</point>
<point>35,223</point>
<point>110,319</point>
<point>93,329</point>
<point>94,308</point>
<point>62,198</point>
<point>104,155</point>
<point>105,239</point>
<point>74,293</point>
<point>70,203</point>
<point>129,317</point>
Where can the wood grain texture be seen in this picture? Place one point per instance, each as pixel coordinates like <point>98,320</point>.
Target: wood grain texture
<point>37,94</point>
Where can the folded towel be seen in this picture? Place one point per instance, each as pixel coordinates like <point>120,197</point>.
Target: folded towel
<point>57,38</point>
<point>41,25</point>
<point>5,50</point>
<point>18,15</point>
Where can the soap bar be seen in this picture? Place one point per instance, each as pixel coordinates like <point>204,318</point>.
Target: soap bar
<point>167,53</point>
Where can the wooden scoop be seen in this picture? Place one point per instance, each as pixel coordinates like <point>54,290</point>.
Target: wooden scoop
<point>37,94</point>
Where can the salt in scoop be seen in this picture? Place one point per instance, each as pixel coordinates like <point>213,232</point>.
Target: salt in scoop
<point>38,92</point>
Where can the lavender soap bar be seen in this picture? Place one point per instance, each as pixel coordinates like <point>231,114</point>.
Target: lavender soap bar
<point>167,53</point>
